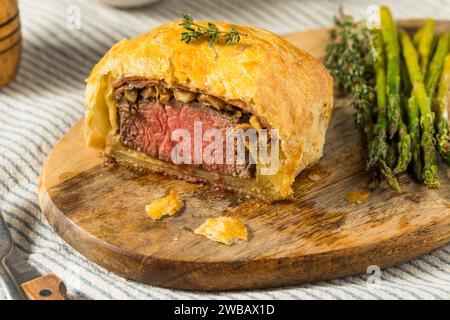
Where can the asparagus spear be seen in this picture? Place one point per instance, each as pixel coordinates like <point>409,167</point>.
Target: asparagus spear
<point>396,124</point>
<point>406,82</point>
<point>443,136</point>
<point>412,112</point>
<point>378,144</point>
<point>391,157</point>
<point>390,40</point>
<point>425,42</point>
<point>435,68</point>
<point>388,175</point>
<point>381,168</point>
<point>416,37</point>
<point>426,118</point>
<point>404,144</point>
<point>403,149</point>
<point>414,130</point>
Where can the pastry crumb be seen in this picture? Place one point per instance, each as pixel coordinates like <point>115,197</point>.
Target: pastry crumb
<point>226,230</point>
<point>357,197</point>
<point>168,205</point>
<point>314,177</point>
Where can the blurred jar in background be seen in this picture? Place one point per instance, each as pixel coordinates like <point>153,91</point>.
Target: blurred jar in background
<point>10,40</point>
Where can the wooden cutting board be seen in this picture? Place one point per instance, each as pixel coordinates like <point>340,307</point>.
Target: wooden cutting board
<point>318,235</point>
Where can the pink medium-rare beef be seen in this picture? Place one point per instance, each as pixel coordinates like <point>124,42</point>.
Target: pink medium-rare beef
<point>154,123</point>
<point>147,126</point>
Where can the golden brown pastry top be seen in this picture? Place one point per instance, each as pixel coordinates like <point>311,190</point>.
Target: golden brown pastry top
<point>284,86</point>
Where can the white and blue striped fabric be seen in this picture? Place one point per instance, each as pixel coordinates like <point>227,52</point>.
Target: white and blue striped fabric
<point>46,99</point>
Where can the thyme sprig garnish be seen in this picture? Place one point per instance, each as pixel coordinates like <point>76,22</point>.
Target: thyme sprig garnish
<point>350,58</point>
<point>211,32</point>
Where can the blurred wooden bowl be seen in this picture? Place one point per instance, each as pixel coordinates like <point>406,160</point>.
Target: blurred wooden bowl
<point>10,40</point>
<point>125,4</point>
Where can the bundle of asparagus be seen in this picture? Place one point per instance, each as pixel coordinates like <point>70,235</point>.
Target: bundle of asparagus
<point>399,89</point>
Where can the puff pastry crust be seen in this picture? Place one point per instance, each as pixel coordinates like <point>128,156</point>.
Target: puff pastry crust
<point>284,86</point>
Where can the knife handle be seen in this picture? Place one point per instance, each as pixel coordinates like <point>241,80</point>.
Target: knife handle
<point>48,287</point>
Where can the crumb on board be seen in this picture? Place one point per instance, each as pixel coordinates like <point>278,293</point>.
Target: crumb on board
<point>314,177</point>
<point>168,205</point>
<point>226,230</point>
<point>357,196</point>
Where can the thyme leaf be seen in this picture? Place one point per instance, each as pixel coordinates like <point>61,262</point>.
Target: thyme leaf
<point>195,32</point>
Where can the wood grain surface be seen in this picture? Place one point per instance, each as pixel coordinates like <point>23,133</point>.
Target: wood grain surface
<point>319,235</point>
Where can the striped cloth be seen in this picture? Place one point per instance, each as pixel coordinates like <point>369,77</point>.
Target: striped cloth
<point>46,99</point>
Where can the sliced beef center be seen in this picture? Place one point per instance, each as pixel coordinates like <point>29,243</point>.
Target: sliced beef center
<point>147,126</point>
